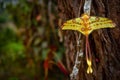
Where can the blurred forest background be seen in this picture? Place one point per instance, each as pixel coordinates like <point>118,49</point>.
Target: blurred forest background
<point>31,45</point>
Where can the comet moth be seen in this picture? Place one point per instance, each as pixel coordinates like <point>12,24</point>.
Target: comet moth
<point>85,25</point>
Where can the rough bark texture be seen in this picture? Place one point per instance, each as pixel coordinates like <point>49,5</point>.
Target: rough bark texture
<point>104,43</point>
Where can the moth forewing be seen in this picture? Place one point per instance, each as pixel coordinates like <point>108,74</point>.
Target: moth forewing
<point>100,22</point>
<point>73,24</point>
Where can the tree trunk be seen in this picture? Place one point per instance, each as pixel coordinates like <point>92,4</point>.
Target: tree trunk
<point>104,43</point>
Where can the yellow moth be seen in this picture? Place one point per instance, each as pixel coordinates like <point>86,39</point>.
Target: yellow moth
<point>85,25</point>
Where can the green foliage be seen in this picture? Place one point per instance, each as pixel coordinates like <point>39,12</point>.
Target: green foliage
<point>3,17</point>
<point>6,36</point>
<point>26,61</point>
<point>10,45</point>
<point>20,13</point>
<point>14,50</point>
<point>11,50</point>
<point>13,78</point>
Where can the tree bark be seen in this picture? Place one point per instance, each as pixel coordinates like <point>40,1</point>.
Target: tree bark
<point>104,43</point>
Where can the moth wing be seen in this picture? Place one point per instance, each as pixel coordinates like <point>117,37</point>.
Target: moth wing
<point>100,22</point>
<point>73,24</point>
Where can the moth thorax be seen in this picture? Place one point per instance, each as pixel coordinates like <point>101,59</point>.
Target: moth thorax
<point>85,17</point>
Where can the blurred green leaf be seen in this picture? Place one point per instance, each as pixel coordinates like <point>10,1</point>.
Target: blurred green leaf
<point>4,17</point>
<point>15,49</point>
<point>45,53</point>
<point>13,78</point>
<point>6,36</point>
<point>10,45</point>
